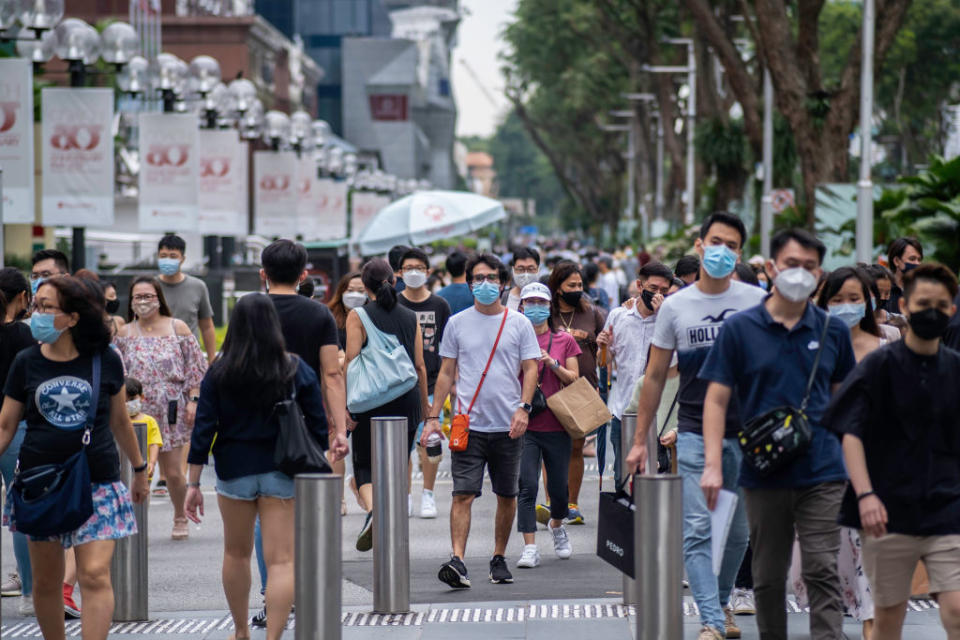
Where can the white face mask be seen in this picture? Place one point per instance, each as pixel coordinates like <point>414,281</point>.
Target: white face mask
<point>354,299</point>
<point>795,284</point>
<point>134,407</point>
<point>523,279</point>
<point>415,279</point>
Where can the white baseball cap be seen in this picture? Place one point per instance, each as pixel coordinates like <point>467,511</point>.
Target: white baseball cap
<point>535,290</point>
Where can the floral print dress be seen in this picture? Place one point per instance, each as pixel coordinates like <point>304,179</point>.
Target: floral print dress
<point>168,367</point>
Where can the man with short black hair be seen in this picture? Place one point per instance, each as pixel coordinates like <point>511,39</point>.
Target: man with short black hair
<point>187,296</point>
<point>432,314</point>
<point>457,293</point>
<point>688,323</point>
<point>525,267</point>
<point>46,264</point>
<point>903,254</point>
<point>499,417</point>
<point>766,355</point>
<point>393,257</point>
<point>897,415</point>
<point>687,268</point>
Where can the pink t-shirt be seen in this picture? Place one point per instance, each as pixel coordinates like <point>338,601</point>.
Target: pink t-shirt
<point>564,346</point>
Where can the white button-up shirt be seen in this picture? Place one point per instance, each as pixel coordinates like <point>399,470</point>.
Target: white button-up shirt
<point>632,335</point>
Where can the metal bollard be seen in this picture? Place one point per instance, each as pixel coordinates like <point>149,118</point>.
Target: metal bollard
<point>391,530</point>
<point>129,566</point>
<point>628,426</point>
<point>317,556</point>
<point>658,545</point>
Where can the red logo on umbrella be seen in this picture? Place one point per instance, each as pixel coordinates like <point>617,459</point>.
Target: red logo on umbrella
<point>435,212</point>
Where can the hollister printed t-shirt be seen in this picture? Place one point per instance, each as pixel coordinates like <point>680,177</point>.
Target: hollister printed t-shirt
<point>689,321</point>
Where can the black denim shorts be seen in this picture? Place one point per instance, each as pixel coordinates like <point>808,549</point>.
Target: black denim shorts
<point>499,453</point>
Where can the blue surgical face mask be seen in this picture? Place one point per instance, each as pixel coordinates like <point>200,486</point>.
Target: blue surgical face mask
<point>719,261</point>
<point>764,285</point>
<point>168,266</point>
<point>42,329</point>
<point>34,285</point>
<point>850,313</point>
<point>486,292</point>
<point>536,313</point>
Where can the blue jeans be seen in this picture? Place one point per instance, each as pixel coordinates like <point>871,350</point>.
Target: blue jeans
<point>8,464</point>
<point>711,593</point>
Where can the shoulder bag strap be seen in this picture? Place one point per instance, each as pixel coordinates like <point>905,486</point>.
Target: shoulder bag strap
<point>94,400</point>
<point>673,405</point>
<point>816,363</point>
<point>483,376</point>
<point>543,367</point>
<point>373,333</point>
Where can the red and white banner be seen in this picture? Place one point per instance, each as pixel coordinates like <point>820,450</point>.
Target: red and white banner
<point>16,139</point>
<point>275,193</point>
<point>309,198</point>
<point>222,196</point>
<point>365,206</point>
<point>168,172</point>
<point>77,152</point>
<point>332,224</point>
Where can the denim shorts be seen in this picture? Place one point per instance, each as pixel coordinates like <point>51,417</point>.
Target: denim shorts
<point>259,485</point>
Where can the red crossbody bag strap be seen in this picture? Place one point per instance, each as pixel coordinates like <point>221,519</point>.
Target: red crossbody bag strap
<point>483,376</point>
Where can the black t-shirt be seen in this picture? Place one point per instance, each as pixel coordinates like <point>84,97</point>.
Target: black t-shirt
<point>432,314</point>
<point>307,325</point>
<point>952,337</point>
<point>57,400</point>
<point>14,338</point>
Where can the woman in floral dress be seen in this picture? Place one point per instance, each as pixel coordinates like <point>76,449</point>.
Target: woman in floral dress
<point>165,356</point>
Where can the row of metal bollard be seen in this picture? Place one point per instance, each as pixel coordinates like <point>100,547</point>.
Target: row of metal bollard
<point>656,593</point>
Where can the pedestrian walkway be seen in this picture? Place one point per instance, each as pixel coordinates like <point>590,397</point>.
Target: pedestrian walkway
<point>537,619</point>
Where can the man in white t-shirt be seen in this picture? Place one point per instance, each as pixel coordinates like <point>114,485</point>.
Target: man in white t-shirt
<point>499,415</point>
<point>608,280</point>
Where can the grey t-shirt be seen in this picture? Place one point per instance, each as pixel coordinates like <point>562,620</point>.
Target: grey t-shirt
<point>189,301</point>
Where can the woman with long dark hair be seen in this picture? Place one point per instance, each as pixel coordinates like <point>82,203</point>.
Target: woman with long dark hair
<point>164,355</point>
<point>14,338</point>
<point>348,295</point>
<point>573,313</point>
<point>392,318</point>
<point>237,398</point>
<point>51,386</point>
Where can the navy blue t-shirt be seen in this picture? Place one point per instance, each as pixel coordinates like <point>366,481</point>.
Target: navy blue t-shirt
<point>768,367</point>
<point>458,296</point>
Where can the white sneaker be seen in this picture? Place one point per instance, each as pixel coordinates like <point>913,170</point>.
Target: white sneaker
<point>743,602</point>
<point>530,557</point>
<point>561,542</point>
<point>409,506</point>
<point>25,608</point>
<point>428,505</point>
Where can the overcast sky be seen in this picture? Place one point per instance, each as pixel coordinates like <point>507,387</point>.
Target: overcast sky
<point>479,44</point>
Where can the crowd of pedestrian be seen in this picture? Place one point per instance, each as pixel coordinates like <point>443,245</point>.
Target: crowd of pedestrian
<point>820,400</point>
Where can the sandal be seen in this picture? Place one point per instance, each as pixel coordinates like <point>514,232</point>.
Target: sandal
<point>181,531</point>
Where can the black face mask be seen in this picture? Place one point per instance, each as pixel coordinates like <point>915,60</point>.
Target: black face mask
<point>909,266</point>
<point>572,298</point>
<point>113,306</point>
<point>647,297</point>
<point>929,324</point>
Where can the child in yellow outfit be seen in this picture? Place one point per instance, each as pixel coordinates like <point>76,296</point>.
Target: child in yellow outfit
<point>154,439</point>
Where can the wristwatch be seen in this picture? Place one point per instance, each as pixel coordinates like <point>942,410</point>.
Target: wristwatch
<point>194,399</point>
<point>526,406</point>
<point>141,468</point>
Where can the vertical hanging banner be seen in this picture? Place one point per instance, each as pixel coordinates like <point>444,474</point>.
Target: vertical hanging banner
<point>168,172</point>
<point>309,198</point>
<point>77,152</point>
<point>16,139</point>
<point>275,193</point>
<point>366,204</point>
<point>332,224</point>
<point>222,186</point>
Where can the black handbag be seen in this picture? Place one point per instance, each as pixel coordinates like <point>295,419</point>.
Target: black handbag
<point>296,451</point>
<point>53,499</point>
<point>774,439</point>
<point>615,528</point>
<point>539,401</point>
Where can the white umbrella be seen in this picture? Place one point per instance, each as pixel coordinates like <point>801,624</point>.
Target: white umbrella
<point>427,216</point>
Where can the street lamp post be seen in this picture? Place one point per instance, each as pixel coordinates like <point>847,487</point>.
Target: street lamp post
<point>766,201</point>
<point>864,239</point>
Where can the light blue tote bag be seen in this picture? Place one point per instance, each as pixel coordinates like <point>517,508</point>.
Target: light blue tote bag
<point>381,372</point>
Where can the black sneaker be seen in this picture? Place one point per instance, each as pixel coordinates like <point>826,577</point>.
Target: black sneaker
<point>454,573</point>
<point>260,619</point>
<point>365,539</point>
<point>499,574</point>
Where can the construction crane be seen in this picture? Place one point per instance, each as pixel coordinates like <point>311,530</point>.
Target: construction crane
<point>479,83</point>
